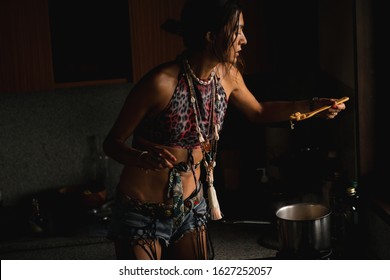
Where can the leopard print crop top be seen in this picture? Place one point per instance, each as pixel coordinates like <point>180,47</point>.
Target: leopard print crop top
<point>175,126</point>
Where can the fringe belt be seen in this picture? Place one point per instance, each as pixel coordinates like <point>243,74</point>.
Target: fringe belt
<point>160,210</point>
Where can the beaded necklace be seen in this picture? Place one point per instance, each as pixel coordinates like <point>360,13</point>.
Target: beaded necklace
<point>200,81</point>
<point>209,145</point>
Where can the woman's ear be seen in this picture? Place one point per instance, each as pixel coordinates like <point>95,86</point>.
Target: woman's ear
<point>210,37</point>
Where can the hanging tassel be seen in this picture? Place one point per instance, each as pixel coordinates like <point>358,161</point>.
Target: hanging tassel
<point>201,138</point>
<point>216,134</point>
<point>215,211</point>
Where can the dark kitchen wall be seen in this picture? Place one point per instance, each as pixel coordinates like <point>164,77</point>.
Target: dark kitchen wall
<point>47,138</point>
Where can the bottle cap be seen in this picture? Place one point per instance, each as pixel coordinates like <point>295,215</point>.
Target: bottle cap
<point>351,190</point>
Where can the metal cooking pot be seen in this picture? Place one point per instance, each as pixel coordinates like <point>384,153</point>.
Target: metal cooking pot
<point>304,228</point>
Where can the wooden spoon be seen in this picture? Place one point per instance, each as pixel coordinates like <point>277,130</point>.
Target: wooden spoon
<point>300,117</point>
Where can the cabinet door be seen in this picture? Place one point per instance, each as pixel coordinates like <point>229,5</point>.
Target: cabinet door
<point>90,41</point>
<point>150,44</point>
<point>25,49</point>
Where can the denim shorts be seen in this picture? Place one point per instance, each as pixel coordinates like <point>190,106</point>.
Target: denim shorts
<point>136,221</point>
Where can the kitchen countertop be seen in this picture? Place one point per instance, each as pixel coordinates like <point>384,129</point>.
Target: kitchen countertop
<point>230,242</point>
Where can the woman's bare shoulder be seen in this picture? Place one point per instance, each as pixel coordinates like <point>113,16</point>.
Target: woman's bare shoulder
<point>164,74</point>
<point>158,85</point>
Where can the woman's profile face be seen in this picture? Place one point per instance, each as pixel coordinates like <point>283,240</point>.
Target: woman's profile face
<point>231,40</point>
<point>239,40</point>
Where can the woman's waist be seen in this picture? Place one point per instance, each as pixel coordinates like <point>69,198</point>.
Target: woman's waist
<point>162,209</point>
<point>152,186</point>
<point>186,171</point>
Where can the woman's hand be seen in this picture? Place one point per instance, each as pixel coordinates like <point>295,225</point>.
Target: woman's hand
<point>333,110</point>
<point>156,158</point>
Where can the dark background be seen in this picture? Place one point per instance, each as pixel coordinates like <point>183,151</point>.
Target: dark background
<point>66,67</point>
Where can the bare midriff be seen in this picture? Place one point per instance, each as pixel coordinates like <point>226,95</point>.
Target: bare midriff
<point>152,186</point>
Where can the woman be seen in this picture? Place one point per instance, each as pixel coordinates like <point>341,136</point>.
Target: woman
<point>174,116</point>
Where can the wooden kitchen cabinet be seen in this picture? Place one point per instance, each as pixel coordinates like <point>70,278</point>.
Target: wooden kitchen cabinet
<point>90,41</point>
<point>25,47</point>
<point>150,44</point>
<point>46,44</point>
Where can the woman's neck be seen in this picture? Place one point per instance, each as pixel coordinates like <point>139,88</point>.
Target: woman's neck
<point>201,65</point>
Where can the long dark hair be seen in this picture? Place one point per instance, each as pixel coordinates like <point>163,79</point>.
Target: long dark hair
<point>220,17</point>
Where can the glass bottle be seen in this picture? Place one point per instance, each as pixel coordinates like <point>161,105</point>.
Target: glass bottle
<point>96,165</point>
<point>346,226</point>
<point>36,220</point>
<point>352,204</point>
<point>351,210</point>
<point>101,166</point>
<point>331,177</point>
<point>336,204</point>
